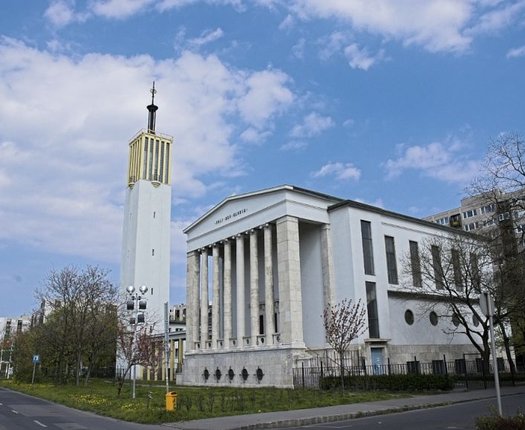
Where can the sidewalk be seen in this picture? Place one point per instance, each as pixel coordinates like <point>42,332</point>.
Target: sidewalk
<point>337,413</point>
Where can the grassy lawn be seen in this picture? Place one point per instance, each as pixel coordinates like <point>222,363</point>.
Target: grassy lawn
<point>100,396</point>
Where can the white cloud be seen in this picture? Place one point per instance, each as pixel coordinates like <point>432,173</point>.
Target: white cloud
<point>298,48</point>
<point>436,25</point>
<point>332,44</point>
<point>360,58</point>
<point>206,37</point>
<point>437,160</point>
<point>294,145</point>
<point>62,179</point>
<point>265,95</point>
<point>252,135</point>
<point>341,171</point>
<point>287,23</point>
<point>499,18</point>
<point>119,9</point>
<point>313,125</point>
<point>61,13</point>
<point>516,52</point>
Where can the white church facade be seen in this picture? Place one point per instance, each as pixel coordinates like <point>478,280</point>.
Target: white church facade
<point>268,262</point>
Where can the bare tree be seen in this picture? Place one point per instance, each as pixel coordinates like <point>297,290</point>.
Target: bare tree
<point>135,346</point>
<point>454,270</point>
<point>501,187</point>
<point>343,322</point>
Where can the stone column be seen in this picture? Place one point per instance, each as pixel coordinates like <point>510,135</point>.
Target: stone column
<point>227,293</point>
<point>254,288</point>
<point>268,285</point>
<point>239,242</point>
<point>204,298</point>
<point>215,300</point>
<point>192,298</point>
<point>327,266</point>
<point>290,296</point>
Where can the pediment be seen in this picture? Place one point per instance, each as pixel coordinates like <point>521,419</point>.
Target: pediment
<point>241,213</point>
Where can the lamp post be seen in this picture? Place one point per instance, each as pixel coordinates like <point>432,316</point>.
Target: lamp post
<point>136,303</point>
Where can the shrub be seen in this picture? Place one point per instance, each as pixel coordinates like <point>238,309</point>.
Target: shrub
<point>495,422</point>
<point>410,382</point>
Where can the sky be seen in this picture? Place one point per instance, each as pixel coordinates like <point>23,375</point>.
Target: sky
<point>392,103</point>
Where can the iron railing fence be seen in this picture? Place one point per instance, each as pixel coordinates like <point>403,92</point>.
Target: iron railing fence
<point>467,372</point>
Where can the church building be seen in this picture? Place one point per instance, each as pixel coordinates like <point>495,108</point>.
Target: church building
<point>262,266</point>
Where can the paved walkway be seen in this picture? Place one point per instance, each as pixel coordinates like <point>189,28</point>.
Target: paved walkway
<point>340,412</point>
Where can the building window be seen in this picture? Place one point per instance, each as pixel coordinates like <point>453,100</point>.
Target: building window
<point>455,319</point>
<point>475,320</point>
<point>470,213</point>
<point>415,264</point>
<point>368,251</point>
<point>433,318</point>
<point>391,260</point>
<point>371,305</point>
<point>488,208</point>
<point>456,267</point>
<point>438,267</point>
<point>476,274</point>
<point>409,317</point>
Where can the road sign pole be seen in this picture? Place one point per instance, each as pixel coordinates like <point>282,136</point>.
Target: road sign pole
<point>494,355</point>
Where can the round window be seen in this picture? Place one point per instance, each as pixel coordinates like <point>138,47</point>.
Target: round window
<point>475,320</point>
<point>433,318</point>
<point>455,320</point>
<point>409,317</point>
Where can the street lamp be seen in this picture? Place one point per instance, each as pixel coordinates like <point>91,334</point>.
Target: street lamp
<point>136,303</point>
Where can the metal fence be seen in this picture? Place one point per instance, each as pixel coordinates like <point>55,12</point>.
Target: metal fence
<point>469,373</point>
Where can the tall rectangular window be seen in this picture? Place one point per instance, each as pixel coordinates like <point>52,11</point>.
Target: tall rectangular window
<point>476,273</point>
<point>438,267</point>
<point>415,264</point>
<point>456,268</point>
<point>371,305</point>
<point>391,263</point>
<point>368,251</point>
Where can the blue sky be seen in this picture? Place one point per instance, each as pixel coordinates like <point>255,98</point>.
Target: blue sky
<point>393,103</point>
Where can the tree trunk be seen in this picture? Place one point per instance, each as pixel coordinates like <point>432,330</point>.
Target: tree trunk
<point>342,370</point>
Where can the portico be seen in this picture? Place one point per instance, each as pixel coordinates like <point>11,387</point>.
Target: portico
<point>250,274</point>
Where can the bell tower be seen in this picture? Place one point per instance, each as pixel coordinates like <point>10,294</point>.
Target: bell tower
<point>147,219</point>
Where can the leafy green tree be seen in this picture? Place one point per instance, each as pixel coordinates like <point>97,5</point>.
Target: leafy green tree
<point>80,327</point>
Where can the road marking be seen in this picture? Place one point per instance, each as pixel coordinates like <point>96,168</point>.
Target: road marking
<point>15,412</point>
<point>39,423</point>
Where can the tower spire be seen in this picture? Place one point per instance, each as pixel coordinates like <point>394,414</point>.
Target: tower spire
<point>152,109</point>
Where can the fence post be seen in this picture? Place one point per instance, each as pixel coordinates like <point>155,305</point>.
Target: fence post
<point>389,369</point>
<point>466,377</point>
<point>445,363</point>
<point>302,370</point>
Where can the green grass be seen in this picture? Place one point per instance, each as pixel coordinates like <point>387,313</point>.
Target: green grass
<point>192,402</point>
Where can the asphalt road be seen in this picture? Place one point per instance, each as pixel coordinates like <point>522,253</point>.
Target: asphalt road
<point>460,416</point>
<point>21,412</point>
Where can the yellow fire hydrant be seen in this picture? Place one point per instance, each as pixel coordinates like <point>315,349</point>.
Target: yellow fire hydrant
<point>171,401</point>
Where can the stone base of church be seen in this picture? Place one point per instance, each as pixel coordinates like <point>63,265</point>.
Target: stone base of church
<point>261,367</point>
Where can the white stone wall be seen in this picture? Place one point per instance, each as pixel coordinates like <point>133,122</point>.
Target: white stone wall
<point>275,363</point>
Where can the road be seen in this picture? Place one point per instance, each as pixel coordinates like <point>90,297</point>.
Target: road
<point>21,412</point>
<point>460,416</point>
